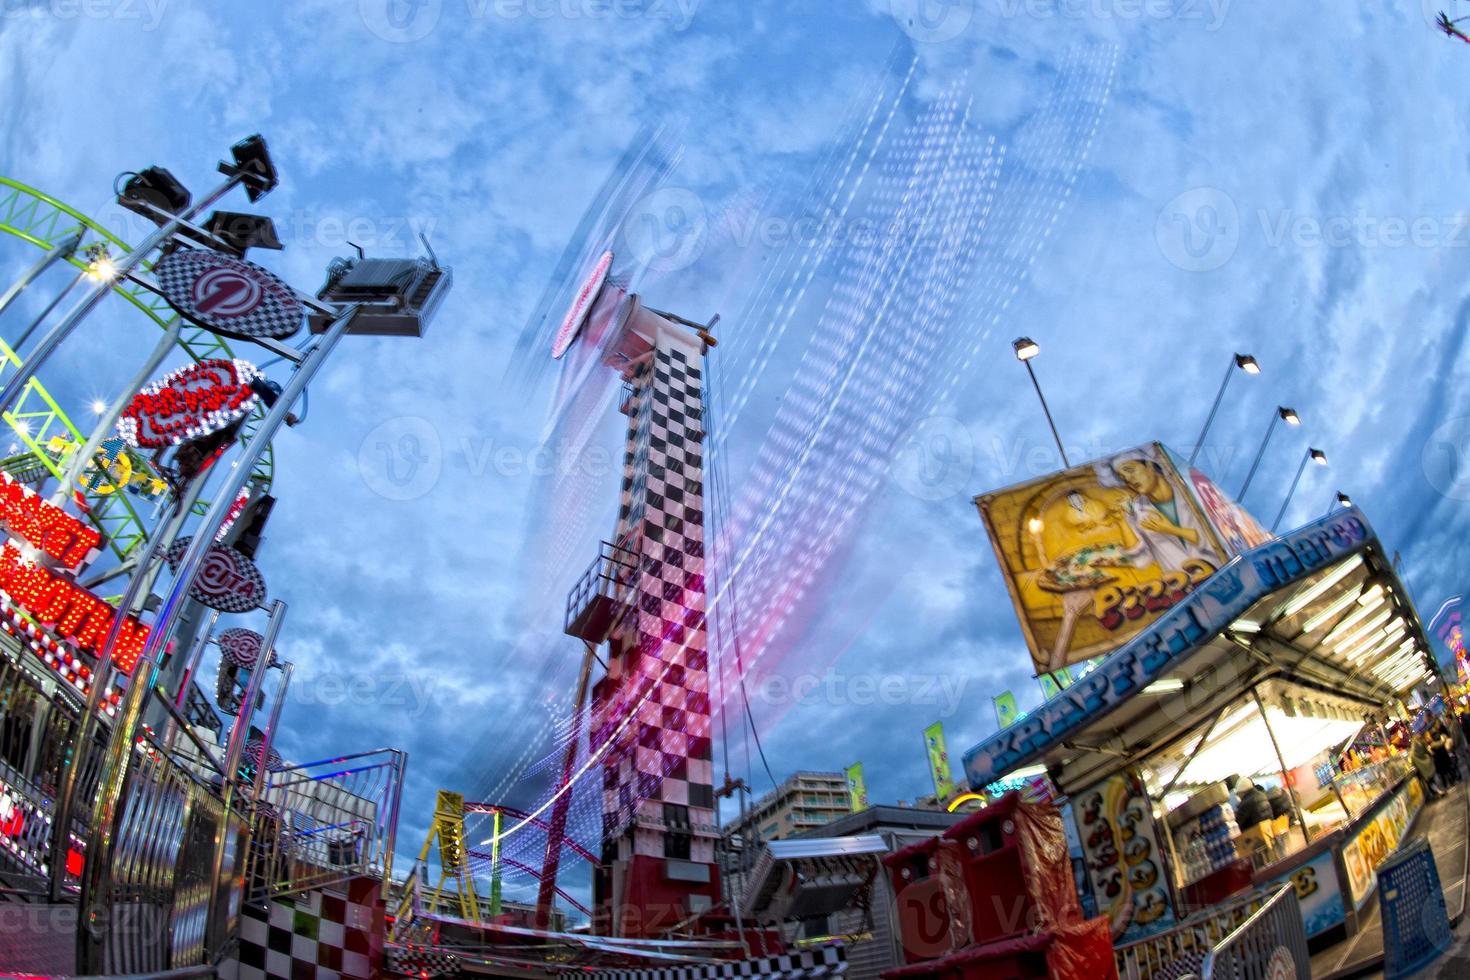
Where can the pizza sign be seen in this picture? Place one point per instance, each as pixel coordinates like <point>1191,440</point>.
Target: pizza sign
<point>227,580</point>
<point>190,403</point>
<point>228,295</point>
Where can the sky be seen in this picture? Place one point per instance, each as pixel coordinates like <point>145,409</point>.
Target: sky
<point>1144,186</point>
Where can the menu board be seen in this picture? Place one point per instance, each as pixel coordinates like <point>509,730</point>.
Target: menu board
<point>1125,864</point>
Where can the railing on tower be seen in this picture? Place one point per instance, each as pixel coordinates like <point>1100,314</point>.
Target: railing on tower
<point>603,594</point>
<point>326,822</point>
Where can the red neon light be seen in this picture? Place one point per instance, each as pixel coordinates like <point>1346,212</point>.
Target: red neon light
<point>571,324</point>
<point>29,515</point>
<point>190,403</point>
<point>72,612</point>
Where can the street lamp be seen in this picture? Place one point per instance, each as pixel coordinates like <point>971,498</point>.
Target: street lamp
<point>1283,414</point>
<point>1343,500</point>
<point>1243,362</point>
<point>1026,349</point>
<point>1315,455</point>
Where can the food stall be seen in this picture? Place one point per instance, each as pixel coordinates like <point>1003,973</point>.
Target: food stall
<point>1236,737</point>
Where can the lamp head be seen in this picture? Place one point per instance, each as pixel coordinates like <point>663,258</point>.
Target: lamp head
<point>1247,364</point>
<point>1025,348</point>
<point>1344,499</point>
<point>1289,416</point>
<point>1318,456</point>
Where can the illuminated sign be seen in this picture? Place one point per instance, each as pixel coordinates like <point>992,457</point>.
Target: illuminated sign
<point>240,647</point>
<point>30,516</point>
<point>70,611</point>
<point>190,403</point>
<point>571,324</point>
<point>228,295</point>
<point>227,580</point>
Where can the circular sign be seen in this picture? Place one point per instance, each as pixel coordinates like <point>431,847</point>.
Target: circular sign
<point>227,580</point>
<point>571,324</point>
<point>228,295</point>
<point>190,403</point>
<point>253,747</point>
<point>241,647</point>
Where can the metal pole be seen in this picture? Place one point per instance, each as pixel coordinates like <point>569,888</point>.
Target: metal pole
<point>107,424</point>
<point>1281,759</point>
<point>45,262</point>
<point>268,735</point>
<point>1198,443</point>
<point>1035,384</point>
<point>102,679</point>
<point>105,811</point>
<point>196,654</point>
<point>1291,492</point>
<point>53,338</point>
<point>1275,417</point>
<point>50,308</point>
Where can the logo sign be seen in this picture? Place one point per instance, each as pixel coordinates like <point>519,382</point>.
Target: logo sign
<point>571,324</point>
<point>241,647</point>
<point>228,581</point>
<point>190,403</point>
<point>30,516</point>
<point>228,295</point>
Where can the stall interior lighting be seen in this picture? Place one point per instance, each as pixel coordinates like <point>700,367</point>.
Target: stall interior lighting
<point>1165,685</point>
<point>1349,625</point>
<point>1242,744</point>
<point>1313,592</point>
<point>1344,640</point>
<point>1372,646</point>
<point>1330,613</point>
<point>1245,626</point>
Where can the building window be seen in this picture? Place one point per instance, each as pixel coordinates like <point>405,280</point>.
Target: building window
<point>676,815</point>
<point>701,796</point>
<point>676,846</point>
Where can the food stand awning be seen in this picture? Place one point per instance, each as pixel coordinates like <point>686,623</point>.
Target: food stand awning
<point>1320,607</point>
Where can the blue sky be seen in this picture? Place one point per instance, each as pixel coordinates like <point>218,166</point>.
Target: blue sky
<point>1215,177</point>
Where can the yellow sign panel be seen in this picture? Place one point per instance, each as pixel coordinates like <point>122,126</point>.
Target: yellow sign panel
<point>1094,554</point>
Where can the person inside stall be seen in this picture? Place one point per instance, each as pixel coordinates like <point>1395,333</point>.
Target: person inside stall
<point>1423,764</point>
<point>1254,807</point>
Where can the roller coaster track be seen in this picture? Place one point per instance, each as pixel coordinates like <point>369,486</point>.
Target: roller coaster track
<point>36,419</point>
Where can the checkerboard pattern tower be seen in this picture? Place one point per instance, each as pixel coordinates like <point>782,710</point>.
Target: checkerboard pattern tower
<point>653,705</point>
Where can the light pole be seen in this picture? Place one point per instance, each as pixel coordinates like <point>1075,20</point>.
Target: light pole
<point>1242,362</point>
<point>1283,414</point>
<point>1026,349</point>
<point>1315,455</point>
<point>1341,500</point>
